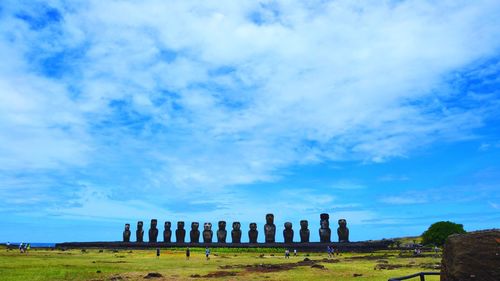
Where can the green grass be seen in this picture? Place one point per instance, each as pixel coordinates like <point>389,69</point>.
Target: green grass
<point>134,265</point>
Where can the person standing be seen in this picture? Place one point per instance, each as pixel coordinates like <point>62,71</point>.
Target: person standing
<point>157,253</point>
<point>287,254</point>
<point>188,253</point>
<point>294,252</point>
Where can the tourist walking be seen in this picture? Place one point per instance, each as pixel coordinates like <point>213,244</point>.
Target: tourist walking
<point>329,250</point>
<point>187,253</point>
<point>207,253</point>
<point>287,254</point>
<point>294,252</point>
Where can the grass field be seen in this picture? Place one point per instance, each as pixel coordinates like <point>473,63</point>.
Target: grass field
<point>224,264</point>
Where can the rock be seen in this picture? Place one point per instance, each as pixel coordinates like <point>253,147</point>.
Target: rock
<point>319,266</point>
<point>357,275</point>
<point>153,275</point>
<point>472,256</point>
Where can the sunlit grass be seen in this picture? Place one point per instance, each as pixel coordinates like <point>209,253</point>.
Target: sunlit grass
<point>172,264</point>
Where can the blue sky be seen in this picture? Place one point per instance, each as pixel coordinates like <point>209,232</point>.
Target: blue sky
<point>385,113</point>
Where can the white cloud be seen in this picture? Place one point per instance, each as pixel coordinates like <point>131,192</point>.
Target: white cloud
<point>212,100</point>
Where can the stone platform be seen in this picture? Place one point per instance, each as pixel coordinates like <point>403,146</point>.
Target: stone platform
<point>365,246</point>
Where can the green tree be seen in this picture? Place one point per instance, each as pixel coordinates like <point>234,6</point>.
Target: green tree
<point>439,231</point>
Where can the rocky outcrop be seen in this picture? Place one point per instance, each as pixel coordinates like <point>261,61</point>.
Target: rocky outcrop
<point>473,256</point>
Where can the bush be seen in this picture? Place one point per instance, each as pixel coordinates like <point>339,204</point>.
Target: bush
<point>439,231</point>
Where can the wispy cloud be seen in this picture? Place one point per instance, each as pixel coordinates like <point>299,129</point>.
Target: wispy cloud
<point>402,200</point>
<point>494,205</point>
<point>347,185</point>
<point>391,178</point>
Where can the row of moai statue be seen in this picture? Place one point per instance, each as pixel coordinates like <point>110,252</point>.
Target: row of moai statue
<point>207,234</point>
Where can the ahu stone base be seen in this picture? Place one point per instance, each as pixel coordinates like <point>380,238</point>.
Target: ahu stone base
<point>367,246</point>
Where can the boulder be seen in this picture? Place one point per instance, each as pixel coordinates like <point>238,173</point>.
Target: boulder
<point>472,256</point>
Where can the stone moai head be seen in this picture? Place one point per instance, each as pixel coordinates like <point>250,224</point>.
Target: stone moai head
<point>127,227</point>
<point>324,220</point>
<point>180,225</point>
<point>288,225</point>
<point>139,225</point>
<point>253,226</point>
<point>304,224</point>
<point>195,225</point>
<point>342,223</point>
<point>222,225</point>
<point>236,225</point>
<point>154,223</point>
<point>269,219</point>
<point>207,226</point>
<point>168,225</point>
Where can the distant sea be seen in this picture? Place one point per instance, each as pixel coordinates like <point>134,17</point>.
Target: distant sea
<point>33,245</point>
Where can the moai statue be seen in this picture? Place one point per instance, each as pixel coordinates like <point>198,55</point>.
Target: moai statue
<point>180,232</point>
<point>194,234</point>
<point>270,229</point>
<point>153,231</point>
<point>288,233</point>
<point>343,231</point>
<point>304,231</point>
<point>253,233</point>
<point>126,233</point>
<point>139,233</point>
<point>207,233</point>
<point>236,232</point>
<point>167,233</point>
<point>221,232</point>
<point>325,232</point>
